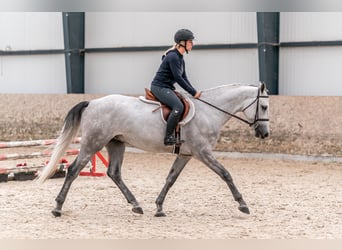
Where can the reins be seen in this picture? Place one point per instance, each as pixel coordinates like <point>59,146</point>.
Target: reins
<point>226,112</point>
<point>256,118</point>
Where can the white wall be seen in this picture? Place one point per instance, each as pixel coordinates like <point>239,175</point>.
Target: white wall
<point>31,30</point>
<point>310,70</point>
<point>129,73</point>
<point>302,70</point>
<point>119,73</point>
<point>32,73</point>
<point>310,26</point>
<point>209,68</point>
<point>117,29</point>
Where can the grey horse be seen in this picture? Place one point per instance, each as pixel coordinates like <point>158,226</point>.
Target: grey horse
<point>116,120</point>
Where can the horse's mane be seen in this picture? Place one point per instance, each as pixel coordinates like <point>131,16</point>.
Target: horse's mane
<point>231,85</point>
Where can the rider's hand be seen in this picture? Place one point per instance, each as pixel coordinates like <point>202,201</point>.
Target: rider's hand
<point>197,95</point>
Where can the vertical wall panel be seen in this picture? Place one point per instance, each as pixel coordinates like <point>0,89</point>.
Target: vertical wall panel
<point>116,29</point>
<point>31,30</point>
<point>210,68</point>
<point>302,70</point>
<point>31,73</point>
<point>311,71</point>
<point>119,73</point>
<point>130,72</point>
<point>310,26</point>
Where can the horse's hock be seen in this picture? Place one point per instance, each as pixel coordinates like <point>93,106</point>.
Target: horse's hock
<point>299,125</point>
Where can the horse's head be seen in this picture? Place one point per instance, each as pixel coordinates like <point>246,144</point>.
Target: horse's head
<point>257,113</point>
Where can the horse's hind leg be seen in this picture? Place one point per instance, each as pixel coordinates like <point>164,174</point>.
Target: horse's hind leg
<point>116,151</point>
<point>73,171</point>
<point>176,169</point>
<point>207,158</point>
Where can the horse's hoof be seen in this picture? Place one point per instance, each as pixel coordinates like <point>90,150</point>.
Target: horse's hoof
<point>56,212</point>
<point>244,209</point>
<point>137,210</point>
<point>159,214</point>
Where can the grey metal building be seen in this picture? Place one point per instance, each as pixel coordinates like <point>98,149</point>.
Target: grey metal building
<point>121,51</point>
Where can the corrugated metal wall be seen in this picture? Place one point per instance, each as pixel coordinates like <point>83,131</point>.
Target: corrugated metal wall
<point>310,70</point>
<point>130,72</point>
<point>302,70</point>
<point>157,28</point>
<point>34,73</point>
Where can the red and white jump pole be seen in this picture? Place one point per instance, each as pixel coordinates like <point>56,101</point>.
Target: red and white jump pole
<point>4,157</point>
<point>14,144</point>
<point>16,156</point>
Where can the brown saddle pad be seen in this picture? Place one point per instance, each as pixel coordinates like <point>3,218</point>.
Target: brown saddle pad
<point>166,109</point>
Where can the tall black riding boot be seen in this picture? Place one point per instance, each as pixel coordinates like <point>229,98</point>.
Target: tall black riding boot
<point>172,122</point>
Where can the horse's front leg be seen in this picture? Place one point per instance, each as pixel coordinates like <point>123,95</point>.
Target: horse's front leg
<point>176,169</point>
<point>208,158</point>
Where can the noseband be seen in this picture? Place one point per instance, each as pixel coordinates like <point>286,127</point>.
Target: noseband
<point>256,117</point>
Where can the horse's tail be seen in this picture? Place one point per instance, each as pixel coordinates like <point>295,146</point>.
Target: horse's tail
<point>69,131</point>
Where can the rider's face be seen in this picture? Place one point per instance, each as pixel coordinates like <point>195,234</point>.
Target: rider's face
<point>189,45</point>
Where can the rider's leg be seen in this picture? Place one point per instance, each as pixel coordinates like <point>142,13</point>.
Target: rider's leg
<point>168,97</point>
<point>172,122</point>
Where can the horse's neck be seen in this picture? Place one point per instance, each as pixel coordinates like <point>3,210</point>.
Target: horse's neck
<point>232,99</point>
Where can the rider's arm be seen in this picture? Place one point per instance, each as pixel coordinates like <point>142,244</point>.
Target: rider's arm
<point>178,72</point>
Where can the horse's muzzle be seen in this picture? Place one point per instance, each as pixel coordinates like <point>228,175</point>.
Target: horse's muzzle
<point>261,132</point>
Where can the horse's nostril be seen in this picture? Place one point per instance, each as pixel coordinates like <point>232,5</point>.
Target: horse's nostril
<point>266,135</point>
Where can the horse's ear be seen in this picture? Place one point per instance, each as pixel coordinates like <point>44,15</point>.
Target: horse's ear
<point>262,87</point>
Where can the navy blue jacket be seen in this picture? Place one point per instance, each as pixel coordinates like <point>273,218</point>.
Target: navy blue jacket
<point>171,71</point>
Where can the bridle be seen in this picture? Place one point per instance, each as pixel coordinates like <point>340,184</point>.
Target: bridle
<point>256,117</point>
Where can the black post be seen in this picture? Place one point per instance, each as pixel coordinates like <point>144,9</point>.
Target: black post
<point>73,29</point>
<point>268,49</point>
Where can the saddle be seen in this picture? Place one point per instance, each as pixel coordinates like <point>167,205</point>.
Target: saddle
<point>165,109</point>
<point>188,114</point>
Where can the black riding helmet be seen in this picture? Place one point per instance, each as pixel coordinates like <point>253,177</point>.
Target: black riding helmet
<point>183,35</point>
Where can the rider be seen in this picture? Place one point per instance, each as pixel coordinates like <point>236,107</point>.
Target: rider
<point>172,70</point>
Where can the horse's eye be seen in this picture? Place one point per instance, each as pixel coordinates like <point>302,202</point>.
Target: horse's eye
<point>264,107</point>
